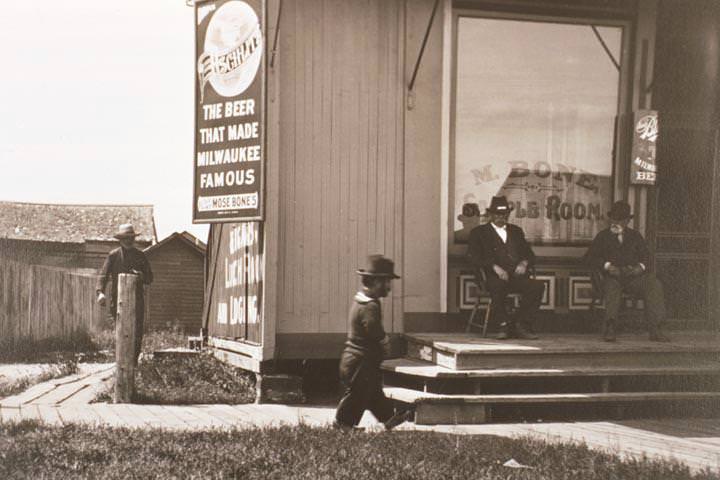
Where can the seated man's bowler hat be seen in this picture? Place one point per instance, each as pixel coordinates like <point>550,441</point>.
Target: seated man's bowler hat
<point>126,230</point>
<point>379,266</point>
<point>499,205</point>
<point>620,211</point>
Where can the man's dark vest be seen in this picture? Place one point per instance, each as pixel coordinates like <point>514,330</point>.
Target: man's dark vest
<point>507,254</point>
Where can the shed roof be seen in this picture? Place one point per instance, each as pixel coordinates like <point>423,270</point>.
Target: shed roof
<point>73,223</point>
<point>185,238</point>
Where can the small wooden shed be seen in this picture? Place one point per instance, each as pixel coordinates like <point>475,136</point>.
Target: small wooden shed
<point>176,294</point>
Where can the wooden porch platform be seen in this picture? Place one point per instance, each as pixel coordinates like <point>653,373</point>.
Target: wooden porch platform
<point>465,378</point>
<point>469,343</point>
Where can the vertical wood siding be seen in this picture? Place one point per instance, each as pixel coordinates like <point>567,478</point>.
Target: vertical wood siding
<point>40,303</point>
<point>175,298</point>
<point>341,155</point>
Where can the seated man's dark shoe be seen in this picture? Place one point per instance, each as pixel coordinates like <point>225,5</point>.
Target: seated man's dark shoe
<point>609,334</point>
<point>523,334</point>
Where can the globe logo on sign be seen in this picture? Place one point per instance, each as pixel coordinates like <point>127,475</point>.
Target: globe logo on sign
<point>232,50</point>
<point>647,128</point>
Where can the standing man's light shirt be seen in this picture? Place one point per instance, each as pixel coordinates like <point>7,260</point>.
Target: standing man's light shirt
<point>502,231</point>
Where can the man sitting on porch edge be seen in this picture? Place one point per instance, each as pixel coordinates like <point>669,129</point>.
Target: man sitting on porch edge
<point>501,251</point>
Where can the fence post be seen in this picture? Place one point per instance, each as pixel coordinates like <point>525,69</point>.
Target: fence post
<point>125,339</point>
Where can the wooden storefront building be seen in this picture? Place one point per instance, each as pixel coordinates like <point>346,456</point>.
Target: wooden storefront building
<point>385,117</point>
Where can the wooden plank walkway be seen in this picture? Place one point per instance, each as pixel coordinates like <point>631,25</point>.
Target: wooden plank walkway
<point>78,389</point>
<point>695,442</point>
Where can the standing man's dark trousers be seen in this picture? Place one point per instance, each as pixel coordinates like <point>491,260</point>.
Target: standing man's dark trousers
<point>362,390</point>
<point>645,286</point>
<point>530,290</point>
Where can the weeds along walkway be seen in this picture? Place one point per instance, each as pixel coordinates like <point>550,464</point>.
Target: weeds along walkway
<point>695,442</point>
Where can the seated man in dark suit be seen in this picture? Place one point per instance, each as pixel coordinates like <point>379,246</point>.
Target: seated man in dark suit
<point>501,251</point>
<point>621,256</point>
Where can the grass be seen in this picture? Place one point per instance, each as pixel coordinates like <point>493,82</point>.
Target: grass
<point>82,346</point>
<point>31,450</point>
<point>104,341</point>
<point>199,378</point>
<point>189,379</point>
<point>46,350</point>
<point>182,379</point>
<point>171,381</point>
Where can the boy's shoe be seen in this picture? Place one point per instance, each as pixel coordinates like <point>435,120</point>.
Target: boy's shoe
<point>398,418</point>
<point>346,428</point>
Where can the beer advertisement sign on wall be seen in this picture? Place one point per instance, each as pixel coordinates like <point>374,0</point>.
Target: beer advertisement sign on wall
<point>229,156</point>
<point>643,168</point>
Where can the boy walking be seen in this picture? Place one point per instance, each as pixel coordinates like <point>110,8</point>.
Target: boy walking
<point>365,348</point>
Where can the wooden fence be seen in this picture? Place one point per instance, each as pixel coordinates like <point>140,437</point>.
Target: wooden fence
<point>38,302</point>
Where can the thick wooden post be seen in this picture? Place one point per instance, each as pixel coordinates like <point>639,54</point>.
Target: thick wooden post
<point>125,339</point>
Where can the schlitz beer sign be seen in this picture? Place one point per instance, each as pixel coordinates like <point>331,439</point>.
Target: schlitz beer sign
<point>643,168</point>
<point>229,90</point>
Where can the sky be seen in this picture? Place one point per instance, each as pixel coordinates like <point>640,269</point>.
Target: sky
<point>96,105</point>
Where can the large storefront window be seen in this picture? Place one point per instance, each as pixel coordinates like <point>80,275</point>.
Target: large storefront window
<point>534,119</point>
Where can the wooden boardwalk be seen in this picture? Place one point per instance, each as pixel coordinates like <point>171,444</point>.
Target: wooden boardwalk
<point>695,442</point>
<point>78,389</point>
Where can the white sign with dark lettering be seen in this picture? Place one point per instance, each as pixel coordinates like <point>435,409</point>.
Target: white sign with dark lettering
<point>228,161</point>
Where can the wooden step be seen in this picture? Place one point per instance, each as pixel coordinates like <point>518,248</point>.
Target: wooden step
<point>428,377</point>
<point>472,352</point>
<point>419,368</point>
<point>434,408</point>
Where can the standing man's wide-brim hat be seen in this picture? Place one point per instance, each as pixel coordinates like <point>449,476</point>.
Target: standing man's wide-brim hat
<point>620,211</point>
<point>499,204</point>
<point>126,230</point>
<point>379,266</point>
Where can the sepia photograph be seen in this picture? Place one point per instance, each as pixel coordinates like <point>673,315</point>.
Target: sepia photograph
<point>360,239</point>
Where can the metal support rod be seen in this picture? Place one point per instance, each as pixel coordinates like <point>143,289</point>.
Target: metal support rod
<point>605,47</point>
<point>277,31</point>
<point>422,47</point>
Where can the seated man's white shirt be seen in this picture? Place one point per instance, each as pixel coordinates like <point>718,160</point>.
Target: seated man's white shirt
<point>502,231</point>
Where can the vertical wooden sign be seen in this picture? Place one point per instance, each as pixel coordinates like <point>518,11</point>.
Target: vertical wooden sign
<point>229,110</point>
<point>236,295</point>
<point>643,168</point>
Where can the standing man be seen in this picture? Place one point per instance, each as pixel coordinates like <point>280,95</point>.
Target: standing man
<point>126,259</point>
<point>500,250</point>
<point>365,348</point>
<point>619,255</point>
